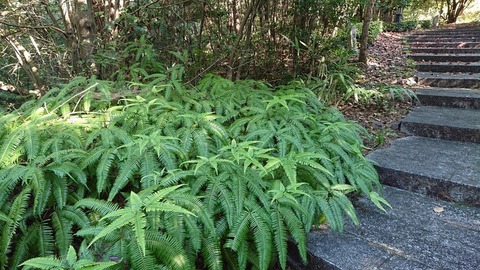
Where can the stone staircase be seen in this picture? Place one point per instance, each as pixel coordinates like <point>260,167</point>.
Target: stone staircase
<point>431,178</point>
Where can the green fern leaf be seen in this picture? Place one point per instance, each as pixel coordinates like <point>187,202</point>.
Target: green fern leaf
<point>140,258</point>
<point>9,146</point>
<point>279,236</point>
<point>239,231</point>
<point>211,253</point>
<point>63,237</point>
<point>262,236</point>
<point>125,216</point>
<point>167,250</point>
<point>15,215</point>
<point>45,244</point>
<point>32,142</point>
<point>59,190</point>
<point>43,263</point>
<point>295,228</point>
<point>127,169</point>
<point>99,206</point>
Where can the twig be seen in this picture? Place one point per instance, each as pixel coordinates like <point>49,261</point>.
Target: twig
<point>34,27</point>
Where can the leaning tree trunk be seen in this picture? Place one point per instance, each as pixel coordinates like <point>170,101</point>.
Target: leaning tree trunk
<point>455,8</point>
<point>362,57</point>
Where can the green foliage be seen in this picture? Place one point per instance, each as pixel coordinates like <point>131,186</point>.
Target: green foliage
<point>220,175</point>
<point>407,26</point>
<point>375,29</point>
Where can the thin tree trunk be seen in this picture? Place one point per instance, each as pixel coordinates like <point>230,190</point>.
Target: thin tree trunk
<point>25,60</point>
<point>240,33</point>
<point>362,57</point>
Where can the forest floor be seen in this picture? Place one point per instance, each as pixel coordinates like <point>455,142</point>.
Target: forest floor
<point>387,66</point>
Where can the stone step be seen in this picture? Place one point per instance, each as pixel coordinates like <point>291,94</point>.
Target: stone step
<point>445,57</point>
<point>417,233</point>
<point>449,97</point>
<point>443,39</point>
<point>425,50</point>
<point>451,44</point>
<point>435,79</point>
<point>443,123</point>
<point>447,170</point>
<point>457,31</point>
<point>448,67</point>
<point>445,35</point>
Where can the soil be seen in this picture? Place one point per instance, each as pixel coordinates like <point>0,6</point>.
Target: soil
<point>387,66</point>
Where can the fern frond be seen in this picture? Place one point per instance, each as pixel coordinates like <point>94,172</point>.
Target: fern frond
<point>99,206</point>
<point>9,146</point>
<point>59,190</point>
<point>23,247</point>
<point>262,236</point>
<point>43,263</point>
<point>45,244</point>
<point>279,236</point>
<point>211,252</point>
<point>63,236</point>
<point>295,228</point>
<point>32,142</point>
<point>239,231</point>
<point>15,215</point>
<point>167,250</point>
<point>127,169</point>
<point>75,216</point>
<point>140,258</point>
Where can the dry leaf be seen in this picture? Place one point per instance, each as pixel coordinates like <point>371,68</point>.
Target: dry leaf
<point>438,209</point>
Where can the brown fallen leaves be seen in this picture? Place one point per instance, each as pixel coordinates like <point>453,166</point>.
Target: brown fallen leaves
<point>387,65</point>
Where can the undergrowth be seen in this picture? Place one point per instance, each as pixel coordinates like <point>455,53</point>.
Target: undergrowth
<point>168,176</point>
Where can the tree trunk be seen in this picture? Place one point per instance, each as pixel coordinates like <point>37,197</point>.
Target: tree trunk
<point>26,62</point>
<point>455,8</point>
<point>362,57</point>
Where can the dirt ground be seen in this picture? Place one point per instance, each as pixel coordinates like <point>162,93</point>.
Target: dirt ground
<point>387,66</point>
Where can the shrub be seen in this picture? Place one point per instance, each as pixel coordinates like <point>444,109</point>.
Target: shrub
<point>426,24</point>
<point>375,29</point>
<point>170,176</point>
<point>401,26</point>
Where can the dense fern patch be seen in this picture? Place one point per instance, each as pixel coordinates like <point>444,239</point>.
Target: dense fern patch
<point>172,176</point>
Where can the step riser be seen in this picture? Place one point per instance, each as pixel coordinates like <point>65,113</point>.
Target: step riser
<point>430,186</point>
<point>450,45</point>
<point>441,132</point>
<point>447,68</point>
<point>450,83</point>
<point>443,40</point>
<point>445,50</point>
<point>452,102</point>
<point>451,36</point>
<point>446,58</point>
<point>471,31</point>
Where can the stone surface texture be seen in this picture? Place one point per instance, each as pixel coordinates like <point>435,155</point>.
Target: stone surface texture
<point>432,178</point>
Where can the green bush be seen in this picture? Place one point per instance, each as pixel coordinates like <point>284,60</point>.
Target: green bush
<point>375,28</point>
<point>426,24</point>
<point>215,176</point>
<point>402,26</point>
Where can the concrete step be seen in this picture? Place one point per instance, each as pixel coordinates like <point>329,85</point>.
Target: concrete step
<point>425,50</point>
<point>443,123</point>
<point>418,233</point>
<point>447,170</point>
<point>475,34</point>
<point>443,39</point>
<point>450,44</point>
<point>464,98</point>
<point>435,79</point>
<point>448,67</point>
<point>455,31</point>
<point>445,57</point>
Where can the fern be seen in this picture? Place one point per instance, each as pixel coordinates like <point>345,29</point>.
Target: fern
<point>215,176</point>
